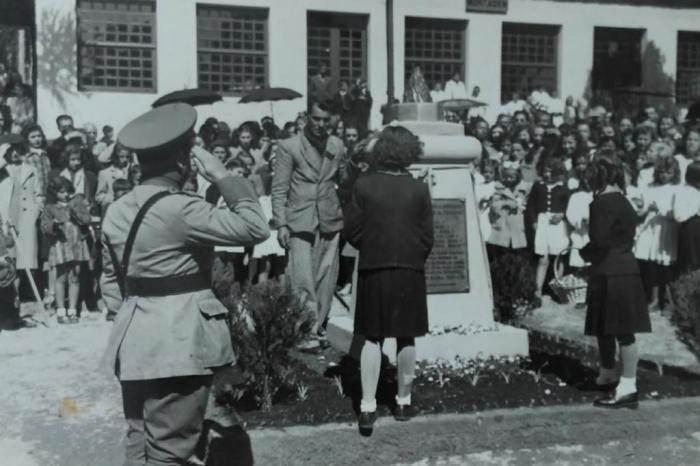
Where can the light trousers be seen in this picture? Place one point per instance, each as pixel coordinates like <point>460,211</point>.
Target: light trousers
<point>164,418</point>
<point>313,271</point>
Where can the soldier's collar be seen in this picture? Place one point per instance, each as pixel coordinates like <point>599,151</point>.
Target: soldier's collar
<point>172,180</point>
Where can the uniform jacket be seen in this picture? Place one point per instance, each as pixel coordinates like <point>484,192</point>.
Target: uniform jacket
<point>390,220</point>
<point>184,334</point>
<point>611,230</point>
<point>304,194</point>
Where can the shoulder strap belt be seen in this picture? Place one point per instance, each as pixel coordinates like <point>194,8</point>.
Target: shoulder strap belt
<point>122,269</point>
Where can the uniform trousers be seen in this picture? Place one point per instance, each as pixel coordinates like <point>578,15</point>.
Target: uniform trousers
<point>164,418</point>
<point>313,270</point>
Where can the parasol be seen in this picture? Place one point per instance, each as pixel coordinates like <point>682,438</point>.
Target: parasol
<point>460,105</point>
<point>188,96</point>
<point>270,94</point>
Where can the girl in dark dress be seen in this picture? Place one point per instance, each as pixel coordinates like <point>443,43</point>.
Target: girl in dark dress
<point>617,308</point>
<point>686,211</point>
<point>389,220</point>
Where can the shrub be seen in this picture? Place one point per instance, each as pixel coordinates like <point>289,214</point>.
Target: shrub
<point>686,309</point>
<point>513,280</point>
<point>267,321</point>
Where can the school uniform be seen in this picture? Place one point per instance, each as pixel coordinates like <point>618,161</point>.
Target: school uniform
<point>657,237</point>
<point>389,220</point>
<point>615,297</point>
<point>686,212</point>
<point>544,201</point>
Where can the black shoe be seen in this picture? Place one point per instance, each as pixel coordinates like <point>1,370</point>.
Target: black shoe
<point>590,385</point>
<point>110,316</point>
<point>365,421</point>
<point>404,412</point>
<point>630,401</point>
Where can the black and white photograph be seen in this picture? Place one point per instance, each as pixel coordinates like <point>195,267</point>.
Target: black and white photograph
<point>349,232</point>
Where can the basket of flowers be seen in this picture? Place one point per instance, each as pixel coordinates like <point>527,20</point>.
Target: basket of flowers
<point>570,288</point>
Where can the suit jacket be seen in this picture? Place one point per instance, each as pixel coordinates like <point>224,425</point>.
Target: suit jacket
<point>390,220</point>
<point>611,229</point>
<point>304,197</point>
<point>184,334</point>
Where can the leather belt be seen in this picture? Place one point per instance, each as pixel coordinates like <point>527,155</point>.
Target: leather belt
<point>165,286</point>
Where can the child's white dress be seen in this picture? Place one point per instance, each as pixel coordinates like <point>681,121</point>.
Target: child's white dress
<point>657,236</point>
<point>271,246</point>
<point>577,214</point>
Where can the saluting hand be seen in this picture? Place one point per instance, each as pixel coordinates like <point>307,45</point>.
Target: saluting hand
<point>208,165</point>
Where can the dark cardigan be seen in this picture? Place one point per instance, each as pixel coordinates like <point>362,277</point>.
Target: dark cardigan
<point>390,220</point>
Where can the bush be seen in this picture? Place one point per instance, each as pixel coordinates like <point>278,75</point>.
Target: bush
<point>513,280</point>
<point>686,309</point>
<point>267,321</point>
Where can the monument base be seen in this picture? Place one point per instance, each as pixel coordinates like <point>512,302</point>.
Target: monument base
<point>501,341</point>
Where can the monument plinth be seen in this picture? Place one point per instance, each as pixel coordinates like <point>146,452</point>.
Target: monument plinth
<point>460,297</point>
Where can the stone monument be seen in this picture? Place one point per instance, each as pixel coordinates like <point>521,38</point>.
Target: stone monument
<point>460,297</point>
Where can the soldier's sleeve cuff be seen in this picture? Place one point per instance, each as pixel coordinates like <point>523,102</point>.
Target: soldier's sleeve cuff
<point>235,188</point>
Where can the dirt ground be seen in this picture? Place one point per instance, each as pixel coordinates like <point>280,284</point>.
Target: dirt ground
<point>56,408</point>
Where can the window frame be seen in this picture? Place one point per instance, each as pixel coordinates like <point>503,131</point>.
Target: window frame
<point>680,68</point>
<point>534,30</point>
<point>116,45</point>
<point>234,52</point>
<point>432,24</point>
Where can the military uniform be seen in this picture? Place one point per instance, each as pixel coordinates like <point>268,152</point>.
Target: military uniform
<point>170,330</point>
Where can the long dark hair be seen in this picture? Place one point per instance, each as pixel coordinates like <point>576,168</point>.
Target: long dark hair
<point>605,170</point>
<point>56,184</point>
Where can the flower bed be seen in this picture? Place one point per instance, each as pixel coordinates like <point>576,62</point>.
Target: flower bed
<point>548,377</point>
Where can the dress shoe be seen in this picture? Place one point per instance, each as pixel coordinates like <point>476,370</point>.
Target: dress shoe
<point>404,412</point>
<point>366,420</point>
<point>590,385</point>
<point>630,401</point>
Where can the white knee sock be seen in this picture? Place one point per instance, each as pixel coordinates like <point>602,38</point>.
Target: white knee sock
<point>368,406</point>
<point>626,386</point>
<point>403,400</point>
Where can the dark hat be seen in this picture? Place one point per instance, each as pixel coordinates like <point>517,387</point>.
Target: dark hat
<point>158,128</point>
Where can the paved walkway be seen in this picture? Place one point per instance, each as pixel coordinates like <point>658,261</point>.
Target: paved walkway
<point>57,409</point>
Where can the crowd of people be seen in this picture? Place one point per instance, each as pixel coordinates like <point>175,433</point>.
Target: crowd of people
<point>53,196</point>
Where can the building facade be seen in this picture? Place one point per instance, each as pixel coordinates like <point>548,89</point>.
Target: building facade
<point>106,61</point>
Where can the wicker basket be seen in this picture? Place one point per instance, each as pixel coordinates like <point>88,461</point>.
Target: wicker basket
<point>570,288</point>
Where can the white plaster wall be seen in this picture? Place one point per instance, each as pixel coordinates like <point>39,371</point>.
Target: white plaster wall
<point>177,53</point>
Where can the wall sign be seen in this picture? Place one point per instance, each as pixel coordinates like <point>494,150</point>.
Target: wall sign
<point>487,6</point>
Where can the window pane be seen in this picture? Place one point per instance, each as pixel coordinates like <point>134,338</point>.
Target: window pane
<point>236,37</point>
<point>436,45</point>
<point>688,67</point>
<point>116,28</point>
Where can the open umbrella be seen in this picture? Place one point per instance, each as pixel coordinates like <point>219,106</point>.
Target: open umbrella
<point>460,105</point>
<point>270,94</point>
<point>188,96</point>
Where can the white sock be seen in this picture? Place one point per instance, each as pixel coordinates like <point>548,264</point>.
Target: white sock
<point>368,406</point>
<point>72,312</point>
<point>403,400</point>
<point>61,312</point>
<point>626,386</point>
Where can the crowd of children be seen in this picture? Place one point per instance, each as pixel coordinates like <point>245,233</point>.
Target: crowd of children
<point>534,199</point>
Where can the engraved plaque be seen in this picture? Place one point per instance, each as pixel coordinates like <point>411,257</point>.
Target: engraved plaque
<point>447,268</point>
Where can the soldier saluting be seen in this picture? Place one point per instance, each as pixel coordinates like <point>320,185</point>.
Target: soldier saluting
<point>170,330</point>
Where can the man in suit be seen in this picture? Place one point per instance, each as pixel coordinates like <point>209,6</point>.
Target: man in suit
<point>170,331</point>
<point>306,210</point>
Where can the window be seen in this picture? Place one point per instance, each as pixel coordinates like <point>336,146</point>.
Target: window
<point>232,48</point>
<point>339,42</point>
<point>529,56</point>
<point>688,67</point>
<point>617,58</point>
<point>437,46</point>
<point>117,45</point>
